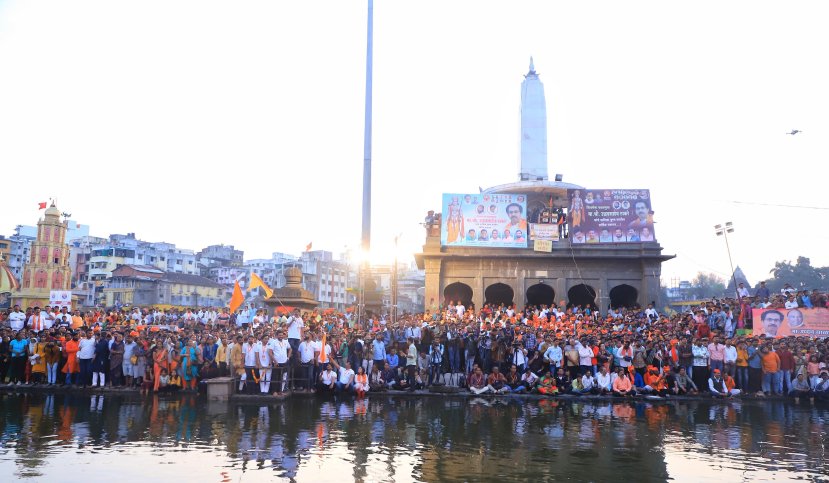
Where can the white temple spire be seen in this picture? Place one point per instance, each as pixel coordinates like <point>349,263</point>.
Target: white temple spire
<point>533,128</point>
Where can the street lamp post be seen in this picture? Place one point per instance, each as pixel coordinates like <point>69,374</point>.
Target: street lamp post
<point>723,231</point>
<point>394,282</point>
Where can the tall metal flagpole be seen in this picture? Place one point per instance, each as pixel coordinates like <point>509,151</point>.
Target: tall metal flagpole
<point>366,235</point>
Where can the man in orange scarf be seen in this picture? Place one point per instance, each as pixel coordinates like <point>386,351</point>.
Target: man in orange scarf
<point>71,348</point>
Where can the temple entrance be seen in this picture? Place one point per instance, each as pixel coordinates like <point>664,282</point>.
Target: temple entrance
<point>541,294</point>
<point>583,295</point>
<point>623,296</point>
<point>458,291</point>
<point>499,293</point>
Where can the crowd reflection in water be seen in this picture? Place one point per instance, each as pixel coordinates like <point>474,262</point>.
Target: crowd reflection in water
<point>429,439</point>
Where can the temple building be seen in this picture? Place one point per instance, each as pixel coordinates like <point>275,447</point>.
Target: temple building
<point>542,242</point>
<point>8,284</point>
<point>48,268</point>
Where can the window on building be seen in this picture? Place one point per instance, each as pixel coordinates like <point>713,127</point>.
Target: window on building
<point>40,279</point>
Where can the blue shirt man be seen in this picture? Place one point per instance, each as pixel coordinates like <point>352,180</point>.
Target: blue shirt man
<point>379,350</point>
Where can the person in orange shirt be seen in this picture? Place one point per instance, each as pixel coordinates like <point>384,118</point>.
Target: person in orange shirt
<point>622,385</point>
<point>770,362</point>
<point>72,366</point>
<point>656,381</point>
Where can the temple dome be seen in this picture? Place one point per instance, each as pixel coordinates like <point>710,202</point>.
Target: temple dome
<point>8,282</point>
<point>53,211</point>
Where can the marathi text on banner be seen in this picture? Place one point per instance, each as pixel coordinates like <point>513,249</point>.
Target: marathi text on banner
<point>484,220</point>
<point>610,216</point>
<point>60,298</point>
<point>543,246</point>
<point>543,232</point>
<point>786,322</point>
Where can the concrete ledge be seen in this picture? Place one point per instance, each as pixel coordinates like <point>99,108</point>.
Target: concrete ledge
<point>219,388</point>
<point>444,392</point>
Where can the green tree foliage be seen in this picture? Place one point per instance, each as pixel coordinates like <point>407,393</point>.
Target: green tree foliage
<point>707,285</point>
<point>800,275</point>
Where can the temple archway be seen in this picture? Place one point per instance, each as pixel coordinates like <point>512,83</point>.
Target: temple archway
<point>499,293</point>
<point>458,291</point>
<point>541,294</point>
<point>623,296</point>
<point>583,295</point>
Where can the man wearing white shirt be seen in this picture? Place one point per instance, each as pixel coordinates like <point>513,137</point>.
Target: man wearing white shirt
<point>265,358</point>
<point>327,380</point>
<point>791,303</point>
<point>460,309</point>
<point>306,360</point>
<point>604,382</point>
<point>17,319</point>
<point>742,291</point>
<point>48,317</point>
<point>86,352</point>
<point>250,355</point>
<point>295,332</point>
<point>281,353</point>
<point>36,321</point>
<point>346,377</point>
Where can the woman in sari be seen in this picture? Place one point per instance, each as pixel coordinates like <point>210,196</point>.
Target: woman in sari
<point>160,362</point>
<point>190,365</point>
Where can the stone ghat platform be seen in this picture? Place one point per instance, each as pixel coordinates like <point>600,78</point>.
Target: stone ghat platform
<point>438,392</point>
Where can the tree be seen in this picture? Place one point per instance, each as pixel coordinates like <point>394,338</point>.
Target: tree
<point>800,275</point>
<point>707,285</point>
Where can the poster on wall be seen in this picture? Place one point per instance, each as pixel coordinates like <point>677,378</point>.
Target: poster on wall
<point>484,220</point>
<point>786,322</point>
<point>543,232</point>
<point>610,216</point>
<point>60,298</point>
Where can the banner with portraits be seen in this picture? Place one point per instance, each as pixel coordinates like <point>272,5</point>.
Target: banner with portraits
<point>786,322</point>
<point>484,220</point>
<point>610,216</point>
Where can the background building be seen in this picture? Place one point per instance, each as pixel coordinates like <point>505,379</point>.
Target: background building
<point>48,268</point>
<point>599,274</point>
<point>147,285</point>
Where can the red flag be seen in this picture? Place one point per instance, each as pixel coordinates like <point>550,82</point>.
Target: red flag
<point>308,247</point>
<point>237,298</point>
<point>41,205</point>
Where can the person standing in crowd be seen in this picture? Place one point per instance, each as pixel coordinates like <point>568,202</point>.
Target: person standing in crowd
<point>771,371</point>
<point>86,354</point>
<point>100,361</point>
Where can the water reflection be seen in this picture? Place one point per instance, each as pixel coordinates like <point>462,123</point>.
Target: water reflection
<point>407,439</point>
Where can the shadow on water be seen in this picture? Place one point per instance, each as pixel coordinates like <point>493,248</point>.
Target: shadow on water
<point>405,439</point>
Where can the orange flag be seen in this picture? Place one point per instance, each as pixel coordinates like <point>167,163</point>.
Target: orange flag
<point>323,355</point>
<point>256,282</point>
<point>237,298</point>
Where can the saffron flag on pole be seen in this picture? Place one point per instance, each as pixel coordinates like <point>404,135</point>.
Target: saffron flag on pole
<point>308,246</point>
<point>323,355</point>
<point>256,282</point>
<point>237,298</point>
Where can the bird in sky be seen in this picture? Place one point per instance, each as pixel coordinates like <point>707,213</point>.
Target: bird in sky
<point>794,131</point>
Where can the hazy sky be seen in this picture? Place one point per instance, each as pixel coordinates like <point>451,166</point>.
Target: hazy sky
<point>202,122</point>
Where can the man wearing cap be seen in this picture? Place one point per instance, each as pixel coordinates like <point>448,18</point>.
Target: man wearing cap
<point>718,388</point>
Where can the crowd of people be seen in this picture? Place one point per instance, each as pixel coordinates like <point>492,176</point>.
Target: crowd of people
<point>544,350</point>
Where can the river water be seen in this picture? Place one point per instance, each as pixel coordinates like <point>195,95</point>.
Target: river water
<point>119,439</point>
